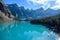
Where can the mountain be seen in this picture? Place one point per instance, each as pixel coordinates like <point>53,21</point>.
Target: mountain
<point>31,14</point>
<point>51,12</point>
<point>20,12</point>
<point>38,13</point>
<point>52,23</point>
<point>14,9</point>
<point>24,13</point>
<point>5,14</point>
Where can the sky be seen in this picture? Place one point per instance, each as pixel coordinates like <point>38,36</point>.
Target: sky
<point>35,4</point>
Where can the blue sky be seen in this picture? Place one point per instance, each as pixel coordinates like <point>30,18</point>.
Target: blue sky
<point>35,4</point>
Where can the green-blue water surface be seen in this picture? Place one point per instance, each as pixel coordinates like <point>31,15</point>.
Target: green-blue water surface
<point>25,31</point>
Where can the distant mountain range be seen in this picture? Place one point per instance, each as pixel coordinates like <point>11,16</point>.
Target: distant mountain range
<point>22,13</point>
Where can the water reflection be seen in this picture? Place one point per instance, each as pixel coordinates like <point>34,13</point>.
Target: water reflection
<point>34,35</point>
<point>25,31</point>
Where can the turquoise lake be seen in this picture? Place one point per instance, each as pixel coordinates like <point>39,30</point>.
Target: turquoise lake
<point>25,31</point>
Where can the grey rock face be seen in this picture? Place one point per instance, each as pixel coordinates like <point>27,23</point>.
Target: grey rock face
<point>4,12</point>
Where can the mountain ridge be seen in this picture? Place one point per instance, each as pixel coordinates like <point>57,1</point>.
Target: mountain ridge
<point>5,13</point>
<point>30,13</point>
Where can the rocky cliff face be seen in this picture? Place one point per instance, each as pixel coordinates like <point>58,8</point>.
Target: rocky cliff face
<point>5,13</point>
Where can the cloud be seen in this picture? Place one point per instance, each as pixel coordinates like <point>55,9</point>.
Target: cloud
<point>53,4</point>
<point>58,1</point>
<point>40,1</point>
<point>57,6</point>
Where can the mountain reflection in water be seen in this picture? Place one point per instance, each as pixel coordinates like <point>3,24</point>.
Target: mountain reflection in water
<point>25,31</point>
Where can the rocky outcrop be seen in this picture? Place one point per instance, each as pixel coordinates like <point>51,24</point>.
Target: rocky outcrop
<point>5,13</point>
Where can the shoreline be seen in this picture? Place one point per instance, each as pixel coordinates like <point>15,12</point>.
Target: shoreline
<point>51,28</point>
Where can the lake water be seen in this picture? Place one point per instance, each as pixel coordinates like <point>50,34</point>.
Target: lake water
<point>25,31</point>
